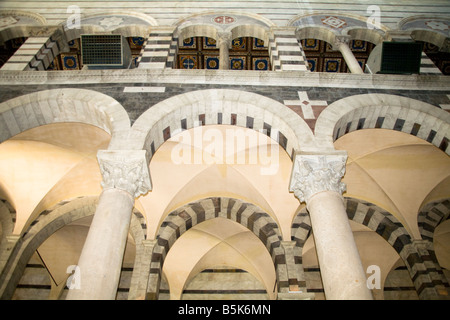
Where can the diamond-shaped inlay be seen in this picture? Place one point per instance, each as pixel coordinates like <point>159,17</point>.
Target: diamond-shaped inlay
<point>334,22</point>
<point>6,21</point>
<point>437,25</point>
<point>111,22</point>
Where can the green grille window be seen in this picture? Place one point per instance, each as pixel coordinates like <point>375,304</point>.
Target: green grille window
<point>101,50</point>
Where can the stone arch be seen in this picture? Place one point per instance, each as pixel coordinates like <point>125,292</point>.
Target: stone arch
<point>385,225</point>
<point>369,35</point>
<point>339,24</point>
<point>27,24</point>
<point>246,214</point>
<point>62,105</point>
<point>196,31</point>
<point>431,215</point>
<point>239,18</point>
<point>316,32</point>
<point>219,106</point>
<point>36,18</point>
<point>47,223</point>
<point>252,30</point>
<point>133,24</point>
<point>432,37</point>
<point>7,219</point>
<point>428,29</point>
<point>368,111</point>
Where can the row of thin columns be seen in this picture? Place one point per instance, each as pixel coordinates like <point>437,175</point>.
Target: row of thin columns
<point>341,45</point>
<point>315,180</point>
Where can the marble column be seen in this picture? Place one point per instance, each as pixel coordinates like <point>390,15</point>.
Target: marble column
<point>341,44</point>
<point>224,43</point>
<point>316,180</point>
<point>125,177</point>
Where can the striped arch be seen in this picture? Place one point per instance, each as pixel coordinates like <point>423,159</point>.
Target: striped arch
<point>388,227</point>
<point>184,218</point>
<point>431,215</point>
<point>47,223</point>
<point>368,111</point>
<point>7,221</point>
<point>62,105</point>
<point>219,106</point>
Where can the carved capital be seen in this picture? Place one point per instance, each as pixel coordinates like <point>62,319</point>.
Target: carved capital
<point>314,173</point>
<point>125,170</point>
<point>341,40</point>
<point>224,38</point>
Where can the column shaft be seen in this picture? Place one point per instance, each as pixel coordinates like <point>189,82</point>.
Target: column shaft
<point>349,58</point>
<point>316,180</point>
<point>340,265</point>
<point>224,51</point>
<point>101,259</point>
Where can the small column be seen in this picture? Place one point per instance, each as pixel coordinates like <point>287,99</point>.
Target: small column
<point>341,44</point>
<point>224,43</point>
<point>316,180</point>
<point>141,273</point>
<point>125,177</point>
<point>296,289</point>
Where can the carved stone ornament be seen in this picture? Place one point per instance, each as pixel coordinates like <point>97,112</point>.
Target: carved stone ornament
<point>314,173</point>
<point>125,170</point>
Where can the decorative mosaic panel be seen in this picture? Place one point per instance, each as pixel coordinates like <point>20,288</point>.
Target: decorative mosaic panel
<point>190,43</point>
<point>258,44</point>
<point>239,44</point>
<point>261,63</point>
<point>246,53</point>
<point>136,42</point>
<point>69,61</point>
<point>209,43</point>
<point>322,58</point>
<point>74,44</point>
<point>312,64</point>
<point>238,63</point>
<point>332,64</point>
<point>358,45</point>
<point>211,62</point>
<point>188,62</point>
<point>310,44</point>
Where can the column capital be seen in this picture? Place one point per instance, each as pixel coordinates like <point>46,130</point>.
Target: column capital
<point>341,40</point>
<point>316,172</point>
<point>224,37</point>
<point>126,170</point>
